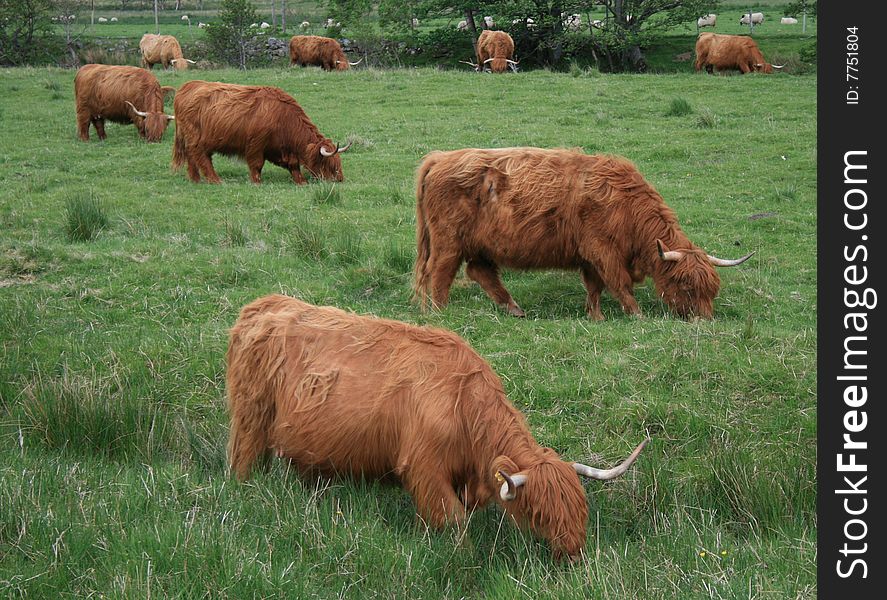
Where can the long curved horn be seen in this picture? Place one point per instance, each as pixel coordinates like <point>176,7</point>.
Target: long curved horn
<point>193,62</point>
<point>723,262</point>
<point>343,148</point>
<point>172,61</point>
<point>671,255</point>
<point>778,66</point>
<point>606,474</point>
<point>354,64</point>
<point>489,60</point>
<point>170,117</point>
<point>326,153</point>
<point>513,62</point>
<point>508,491</point>
<point>135,110</point>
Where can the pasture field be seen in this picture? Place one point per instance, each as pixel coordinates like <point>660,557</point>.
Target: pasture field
<point>112,403</point>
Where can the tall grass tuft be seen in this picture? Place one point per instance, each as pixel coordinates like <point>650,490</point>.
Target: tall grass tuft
<point>707,119</point>
<point>679,108</point>
<point>326,193</point>
<point>308,239</point>
<point>347,246</point>
<point>398,256</point>
<point>235,234</point>
<point>85,218</point>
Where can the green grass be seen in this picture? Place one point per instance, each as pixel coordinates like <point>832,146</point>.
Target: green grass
<point>112,411</point>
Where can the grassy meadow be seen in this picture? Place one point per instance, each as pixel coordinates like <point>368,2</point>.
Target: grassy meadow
<point>119,280</point>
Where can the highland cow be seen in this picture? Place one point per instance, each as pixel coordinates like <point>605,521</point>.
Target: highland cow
<point>256,123</point>
<point>123,95</point>
<point>723,52</point>
<point>338,393</point>
<point>494,51</point>
<point>320,51</point>
<point>164,50</point>
<point>530,208</point>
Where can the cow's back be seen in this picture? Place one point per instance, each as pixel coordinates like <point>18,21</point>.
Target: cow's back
<point>104,89</point>
<point>224,118</point>
<point>529,207</point>
<point>351,392</point>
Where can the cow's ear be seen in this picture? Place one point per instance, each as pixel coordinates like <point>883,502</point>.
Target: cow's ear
<point>502,464</point>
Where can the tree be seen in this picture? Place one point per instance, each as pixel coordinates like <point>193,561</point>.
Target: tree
<point>230,38</point>
<point>26,31</point>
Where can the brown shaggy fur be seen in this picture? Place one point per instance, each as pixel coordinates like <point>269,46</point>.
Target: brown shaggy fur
<point>722,52</point>
<point>162,49</point>
<point>101,92</point>
<point>320,51</point>
<point>336,392</point>
<point>497,45</point>
<point>256,123</point>
<point>530,208</point>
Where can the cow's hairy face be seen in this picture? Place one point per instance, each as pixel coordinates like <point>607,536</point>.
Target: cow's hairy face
<point>324,167</point>
<point>764,68</point>
<point>499,65</point>
<point>551,503</point>
<point>688,285</point>
<point>153,126</point>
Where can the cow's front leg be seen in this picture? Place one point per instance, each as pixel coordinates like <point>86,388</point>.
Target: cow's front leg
<point>296,174</point>
<point>255,164</point>
<point>100,127</point>
<point>487,275</point>
<point>593,285</point>
<point>436,500</point>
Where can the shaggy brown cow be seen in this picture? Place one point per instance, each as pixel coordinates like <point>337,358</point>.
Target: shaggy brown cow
<point>257,123</point>
<point>320,51</point>
<point>164,50</point>
<point>122,95</point>
<point>722,52</point>
<point>531,208</point>
<point>494,51</point>
<point>339,393</point>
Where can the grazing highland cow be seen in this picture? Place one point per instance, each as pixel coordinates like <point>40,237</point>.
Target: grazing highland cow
<point>722,52</point>
<point>164,50</point>
<point>319,51</point>
<point>339,393</point>
<point>494,51</point>
<point>122,95</point>
<point>530,208</point>
<point>256,123</point>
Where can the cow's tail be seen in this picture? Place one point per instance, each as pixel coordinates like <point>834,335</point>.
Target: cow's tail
<point>178,149</point>
<point>250,403</point>
<point>421,273</point>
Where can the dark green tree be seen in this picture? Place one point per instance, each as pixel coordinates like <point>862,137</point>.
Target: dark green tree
<point>231,37</point>
<point>26,32</point>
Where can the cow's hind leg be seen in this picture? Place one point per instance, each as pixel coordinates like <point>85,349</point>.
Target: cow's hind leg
<point>487,275</point>
<point>593,285</point>
<point>248,439</point>
<point>83,121</point>
<point>204,162</point>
